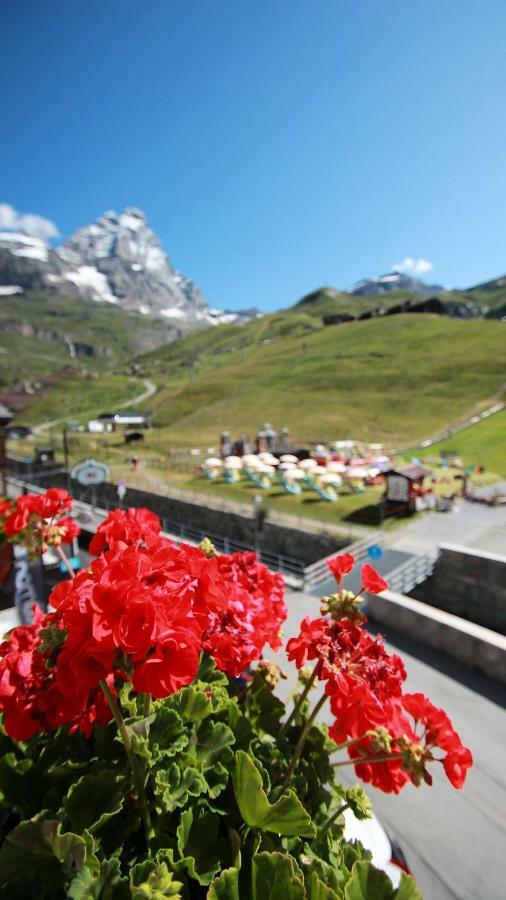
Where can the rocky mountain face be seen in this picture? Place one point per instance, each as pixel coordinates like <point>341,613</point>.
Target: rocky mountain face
<point>394,281</point>
<point>117,259</point>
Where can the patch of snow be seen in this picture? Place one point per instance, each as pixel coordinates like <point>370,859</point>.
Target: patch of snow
<point>384,278</point>
<point>39,253</point>
<point>88,277</point>
<point>126,220</point>
<point>215,317</point>
<point>155,259</point>
<point>16,237</point>
<point>6,290</point>
<point>144,310</point>
<point>173,312</point>
<point>136,267</point>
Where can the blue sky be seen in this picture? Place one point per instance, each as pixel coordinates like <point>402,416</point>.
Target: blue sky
<point>275,145</point>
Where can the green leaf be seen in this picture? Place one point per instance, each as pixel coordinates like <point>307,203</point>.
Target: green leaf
<point>93,799</point>
<point>39,849</point>
<point>102,885</point>
<point>214,740</point>
<point>152,881</point>
<point>320,891</point>
<point>217,780</point>
<point>192,704</point>
<point>174,787</point>
<point>265,710</point>
<point>407,889</point>
<point>209,672</point>
<point>368,883</point>
<point>226,887</point>
<point>286,816</point>
<point>276,876</point>
<point>23,785</point>
<point>168,734</point>
<point>203,852</point>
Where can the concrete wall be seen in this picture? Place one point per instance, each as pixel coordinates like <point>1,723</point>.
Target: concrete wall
<point>469,643</point>
<point>468,583</point>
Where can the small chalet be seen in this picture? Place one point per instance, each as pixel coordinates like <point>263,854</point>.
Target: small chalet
<point>405,490</point>
<point>128,418</point>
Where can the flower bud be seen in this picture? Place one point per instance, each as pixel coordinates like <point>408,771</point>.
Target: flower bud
<point>208,548</point>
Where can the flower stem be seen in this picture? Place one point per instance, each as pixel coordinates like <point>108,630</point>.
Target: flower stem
<point>61,553</point>
<point>136,773</point>
<point>359,760</point>
<point>298,702</point>
<point>302,740</point>
<point>330,821</point>
<point>349,743</point>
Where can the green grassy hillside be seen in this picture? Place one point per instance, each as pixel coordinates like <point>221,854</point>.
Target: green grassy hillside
<point>396,379</point>
<point>34,328</point>
<point>487,301</point>
<point>484,444</point>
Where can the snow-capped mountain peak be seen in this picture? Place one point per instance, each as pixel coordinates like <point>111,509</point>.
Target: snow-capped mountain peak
<point>393,281</point>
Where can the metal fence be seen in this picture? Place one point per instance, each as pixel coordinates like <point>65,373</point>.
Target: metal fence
<point>409,574</point>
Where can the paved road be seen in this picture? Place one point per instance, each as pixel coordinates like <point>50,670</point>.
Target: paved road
<point>455,841</point>
<point>471,524</point>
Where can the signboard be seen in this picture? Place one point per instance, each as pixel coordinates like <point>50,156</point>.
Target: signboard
<point>90,472</point>
<point>397,488</point>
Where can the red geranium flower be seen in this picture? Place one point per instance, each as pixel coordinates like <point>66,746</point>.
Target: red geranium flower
<point>126,525</point>
<point>372,580</point>
<point>341,565</point>
<point>438,732</point>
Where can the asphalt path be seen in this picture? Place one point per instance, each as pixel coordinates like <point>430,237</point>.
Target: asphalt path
<point>455,841</point>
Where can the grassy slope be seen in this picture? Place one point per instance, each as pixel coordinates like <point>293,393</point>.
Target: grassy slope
<point>81,398</point>
<point>482,444</point>
<point>395,379</point>
<point>490,303</point>
<point>117,334</point>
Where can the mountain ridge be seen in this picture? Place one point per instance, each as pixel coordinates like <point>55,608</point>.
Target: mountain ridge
<point>116,259</point>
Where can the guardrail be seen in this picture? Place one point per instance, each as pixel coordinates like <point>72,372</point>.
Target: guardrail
<point>412,572</point>
<point>319,571</point>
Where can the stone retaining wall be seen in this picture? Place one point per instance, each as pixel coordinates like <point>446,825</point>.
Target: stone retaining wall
<point>469,643</point>
<point>468,583</point>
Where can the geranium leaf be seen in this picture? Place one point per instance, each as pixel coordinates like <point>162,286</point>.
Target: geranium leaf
<point>93,799</point>
<point>153,880</point>
<point>286,816</point>
<point>192,704</point>
<point>38,849</point>
<point>276,876</point>
<point>208,671</point>
<point>265,710</point>
<point>213,742</point>
<point>226,887</point>
<point>217,779</point>
<point>203,852</point>
<point>407,889</point>
<point>89,885</point>
<point>368,883</point>
<point>168,734</point>
<point>320,891</point>
<point>174,786</point>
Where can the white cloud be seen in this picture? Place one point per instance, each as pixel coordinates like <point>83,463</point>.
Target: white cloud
<point>28,223</point>
<point>416,266</point>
